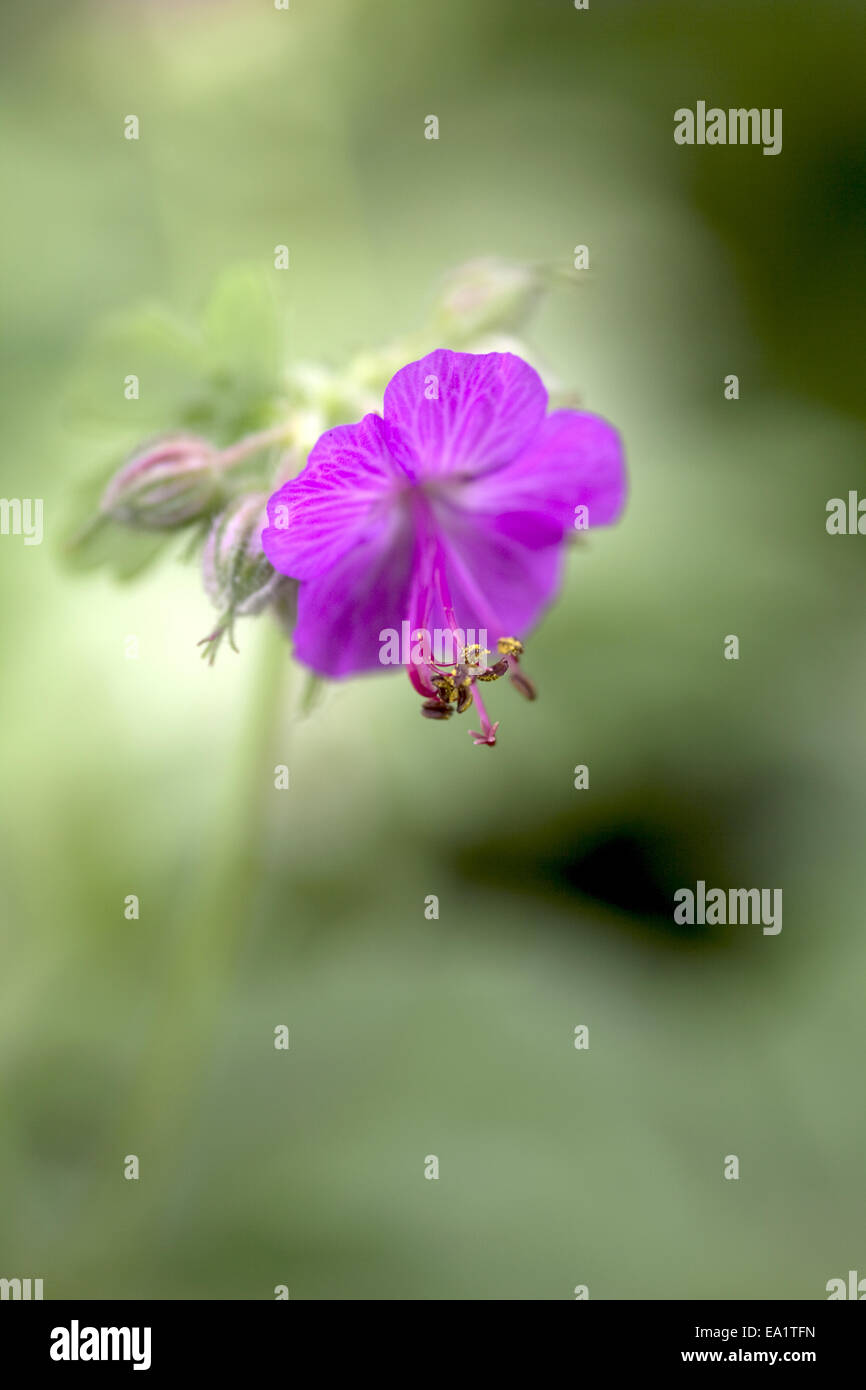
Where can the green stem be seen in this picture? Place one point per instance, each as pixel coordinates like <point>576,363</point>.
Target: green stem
<point>252,443</point>
<point>208,936</point>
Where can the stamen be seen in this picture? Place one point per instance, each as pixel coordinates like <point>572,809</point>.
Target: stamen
<point>494,672</point>
<point>464,696</point>
<point>524,685</point>
<point>448,688</point>
<point>472,655</point>
<point>435,709</point>
<point>510,646</point>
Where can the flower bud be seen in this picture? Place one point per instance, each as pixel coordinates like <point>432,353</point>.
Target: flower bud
<point>172,482</point>
<point>484,296</point>
<point>238,577</point>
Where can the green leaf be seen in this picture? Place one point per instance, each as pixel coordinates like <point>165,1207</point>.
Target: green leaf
<point>165,356</point>
<point>220,382</point>
<point>311,694</point>
<point>241,331</point>
<point>126,553</point>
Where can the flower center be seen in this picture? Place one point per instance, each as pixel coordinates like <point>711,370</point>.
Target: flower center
<point>450,685</point>
<point>456,687</point>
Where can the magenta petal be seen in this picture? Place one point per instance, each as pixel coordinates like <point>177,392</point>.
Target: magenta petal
<point>574,460</point>
<point>464,413</point>
<point>343,612</point>
<point>345,491</point>
<point>500,572</point>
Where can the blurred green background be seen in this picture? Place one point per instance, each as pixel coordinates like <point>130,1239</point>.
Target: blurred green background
<point>306,908</point>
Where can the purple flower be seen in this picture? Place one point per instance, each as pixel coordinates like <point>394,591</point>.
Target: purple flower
<point>450,514</point>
